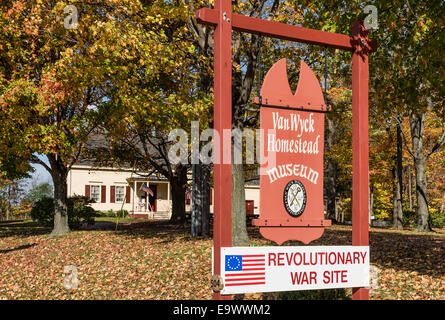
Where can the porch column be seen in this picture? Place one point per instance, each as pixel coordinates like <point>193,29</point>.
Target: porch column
<point>168,195</point>
<point>147,196</point>
<point>134,195</point>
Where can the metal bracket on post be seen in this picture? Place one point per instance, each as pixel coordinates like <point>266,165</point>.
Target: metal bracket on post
<point>216,283</point>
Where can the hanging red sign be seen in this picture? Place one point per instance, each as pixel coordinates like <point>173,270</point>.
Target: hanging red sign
<point>291,187</point>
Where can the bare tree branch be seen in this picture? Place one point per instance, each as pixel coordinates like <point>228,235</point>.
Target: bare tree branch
<point>438,145</point>
<point>34,159</point>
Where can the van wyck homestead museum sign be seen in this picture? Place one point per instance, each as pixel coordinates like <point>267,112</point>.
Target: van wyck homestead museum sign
<point>294,136</point>
<point>291,189</point>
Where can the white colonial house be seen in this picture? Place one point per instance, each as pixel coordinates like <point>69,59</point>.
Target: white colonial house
<point>120,188</point>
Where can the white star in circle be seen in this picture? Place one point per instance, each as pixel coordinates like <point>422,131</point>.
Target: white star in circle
<point>230,265</point>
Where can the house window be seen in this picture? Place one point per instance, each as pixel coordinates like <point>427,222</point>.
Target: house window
<point>120,193</point>
<point>95,193</point>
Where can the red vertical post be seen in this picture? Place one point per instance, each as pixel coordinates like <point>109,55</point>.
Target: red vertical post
<point>222,233</point>
<point>360,147</point>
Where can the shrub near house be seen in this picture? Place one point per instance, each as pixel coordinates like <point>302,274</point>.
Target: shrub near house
<point>79,210</point>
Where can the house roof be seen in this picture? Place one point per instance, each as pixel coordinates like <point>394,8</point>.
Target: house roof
<point>153,177</point>
<point>97,142</point>
<point>255,182</point>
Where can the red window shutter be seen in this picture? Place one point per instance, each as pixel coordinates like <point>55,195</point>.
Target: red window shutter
<point>113,194</point>
<point>87,191</point>
<point>127,195</point>
<point>249,207</point>
<point>103,194</point>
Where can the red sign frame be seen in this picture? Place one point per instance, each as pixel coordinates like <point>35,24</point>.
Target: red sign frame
<point>224,21</point>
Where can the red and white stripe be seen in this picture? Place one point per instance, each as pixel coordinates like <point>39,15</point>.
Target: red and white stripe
<point>253,272</point>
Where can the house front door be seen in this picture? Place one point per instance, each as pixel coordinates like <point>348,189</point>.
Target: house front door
<point>152,199</point>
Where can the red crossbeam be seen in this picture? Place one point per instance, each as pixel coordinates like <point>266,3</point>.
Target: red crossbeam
<point>283,31</point>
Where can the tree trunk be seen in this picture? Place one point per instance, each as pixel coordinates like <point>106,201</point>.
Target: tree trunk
<point>238,199</point>
<point>8,203</point>
<point>59,174</point>
<point>442,207</point>
<point>423,215</point>
<point>239,227</point>
<point>371,201</point>
<point>197,204</point>
<point>205,44</point>
<point>178,184</point>
<point>7,211</point>
<point>397,212</point>
<point>205,200</point>
<point>331,172</point>
<point>201,207</point>
<point>410,195</point>
<point>398,186</point>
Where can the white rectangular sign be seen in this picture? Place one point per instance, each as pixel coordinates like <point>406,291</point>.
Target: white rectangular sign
<point>272,269</point>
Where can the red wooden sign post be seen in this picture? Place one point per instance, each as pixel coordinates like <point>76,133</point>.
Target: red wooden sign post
<point>224,21</point>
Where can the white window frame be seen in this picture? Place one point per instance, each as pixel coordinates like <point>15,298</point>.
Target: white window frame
<point>119,197</point>
<point>93,194</point>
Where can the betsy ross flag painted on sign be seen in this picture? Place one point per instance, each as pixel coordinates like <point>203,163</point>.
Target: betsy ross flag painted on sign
<point>245,270</point>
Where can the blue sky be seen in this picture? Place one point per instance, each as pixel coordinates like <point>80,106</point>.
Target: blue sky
<point>40,175</point>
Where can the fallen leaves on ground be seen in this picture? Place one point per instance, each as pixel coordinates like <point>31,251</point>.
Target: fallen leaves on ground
<point>153,260</point>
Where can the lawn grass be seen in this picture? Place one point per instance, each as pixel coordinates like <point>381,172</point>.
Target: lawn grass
<point>155,260</point>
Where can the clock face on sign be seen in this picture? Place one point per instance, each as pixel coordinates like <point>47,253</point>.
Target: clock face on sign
<point>294,198</point>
